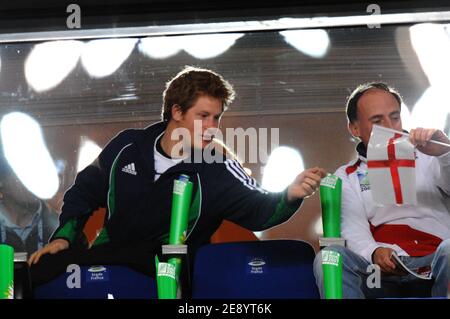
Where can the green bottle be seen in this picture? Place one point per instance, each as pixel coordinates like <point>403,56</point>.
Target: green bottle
<point>330,200</point>
<point>6,272</point>
<point>168,274</point>
<point>181,199</point>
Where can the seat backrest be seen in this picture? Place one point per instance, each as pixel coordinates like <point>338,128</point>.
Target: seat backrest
<point>255,269</point>
<point>99,282</point>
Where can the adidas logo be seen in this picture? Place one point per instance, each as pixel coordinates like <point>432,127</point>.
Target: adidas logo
<point>130,169</point>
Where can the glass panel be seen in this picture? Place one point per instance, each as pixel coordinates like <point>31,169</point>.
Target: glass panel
<point>76,95</point>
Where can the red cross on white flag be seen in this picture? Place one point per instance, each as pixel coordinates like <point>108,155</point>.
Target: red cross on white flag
<point>391,167</point>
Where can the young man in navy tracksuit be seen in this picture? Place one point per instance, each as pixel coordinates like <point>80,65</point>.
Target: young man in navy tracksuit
<point>133,178</point>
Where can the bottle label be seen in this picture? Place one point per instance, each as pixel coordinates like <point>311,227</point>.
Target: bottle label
<point>329,181</point>
<point>330,258</point>
<point>166,270</point>
<point>178,187</point>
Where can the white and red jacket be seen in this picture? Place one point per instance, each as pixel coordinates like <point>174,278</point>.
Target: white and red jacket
<point>409,230</point>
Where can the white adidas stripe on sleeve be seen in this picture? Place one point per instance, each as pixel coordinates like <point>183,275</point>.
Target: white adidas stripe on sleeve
<point>236,170</point>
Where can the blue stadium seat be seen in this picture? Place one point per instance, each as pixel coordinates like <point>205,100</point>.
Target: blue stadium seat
<point>100,282</point>
<point>255,269</point>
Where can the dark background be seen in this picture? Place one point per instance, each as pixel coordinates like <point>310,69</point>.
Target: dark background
<point>45,15</point>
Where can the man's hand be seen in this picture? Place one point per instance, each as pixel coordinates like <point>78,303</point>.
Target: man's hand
<point>382,257</point>
<point>305,184</point>
<point>51,248</point>
<point>420,137</point>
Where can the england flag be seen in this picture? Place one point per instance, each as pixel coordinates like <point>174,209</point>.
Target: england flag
<point>391,167</point>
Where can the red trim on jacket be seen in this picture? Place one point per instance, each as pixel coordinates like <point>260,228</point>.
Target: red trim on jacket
<point>415,242</point>
<point>354,167</point>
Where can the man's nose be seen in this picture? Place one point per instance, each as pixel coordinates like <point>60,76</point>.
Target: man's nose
<point>388,123</point>
<point>210,123</point>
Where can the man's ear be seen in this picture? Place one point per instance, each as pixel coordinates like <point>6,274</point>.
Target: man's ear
<point>353,128</point>
<point>177,114</point>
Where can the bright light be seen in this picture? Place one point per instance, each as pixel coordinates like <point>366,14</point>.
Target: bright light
<point>49,63</point>
<point>432,45</point>
<point>314,43</point>
<point>27,154</point>
<point>318,227</point>
<point>202,46</point>
<point>431,109</point>
<point>406,118</point>
<point>206,46</point>
<point>89,151</point>
<point>101,58</point>
<point>258,234</point>
<point>283,166</point>
<point>159,47</point>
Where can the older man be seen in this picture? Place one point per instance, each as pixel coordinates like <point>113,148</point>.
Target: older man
<point>419,234</point>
